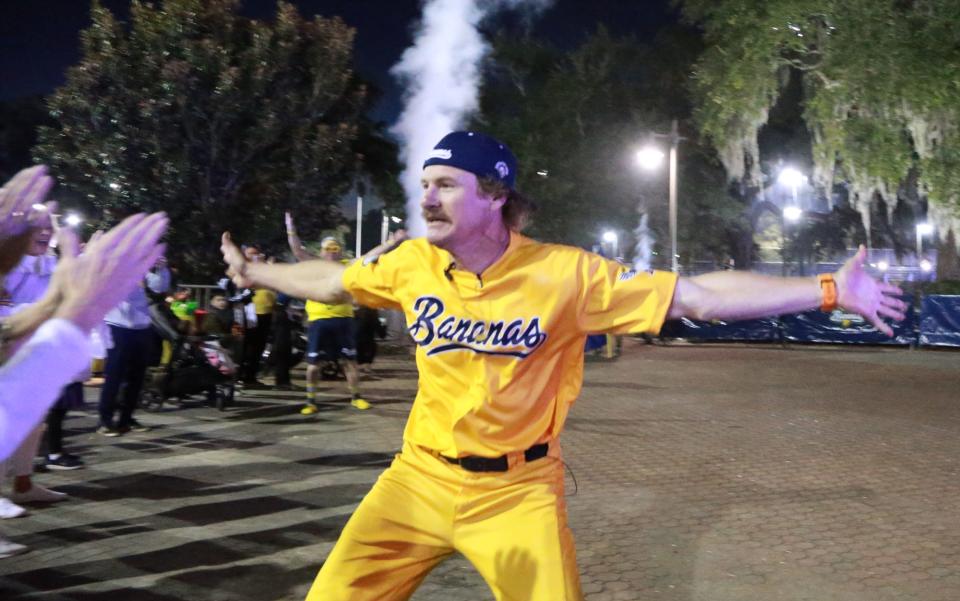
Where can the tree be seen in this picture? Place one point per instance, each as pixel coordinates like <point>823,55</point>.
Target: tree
<point>880,80</point>
<point>221,121</point>
<point>575,118</point>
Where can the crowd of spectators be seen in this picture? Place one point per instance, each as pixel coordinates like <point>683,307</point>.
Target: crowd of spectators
<point>45,343</point>
<point>62,310</point>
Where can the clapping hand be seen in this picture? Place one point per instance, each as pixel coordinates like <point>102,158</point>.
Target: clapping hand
<point>21,200</point>
<point>111,266</point>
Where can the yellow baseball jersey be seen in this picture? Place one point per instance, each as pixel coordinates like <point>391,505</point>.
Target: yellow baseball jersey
<point>500,355</point>
<point>317,310</point>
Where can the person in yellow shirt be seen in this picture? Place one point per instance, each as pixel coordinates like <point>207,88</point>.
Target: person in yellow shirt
<point>330,327</point>
<point>500,322</point>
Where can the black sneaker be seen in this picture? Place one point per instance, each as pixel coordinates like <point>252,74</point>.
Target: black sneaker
<point>133,426</point>
<point>65,462</point>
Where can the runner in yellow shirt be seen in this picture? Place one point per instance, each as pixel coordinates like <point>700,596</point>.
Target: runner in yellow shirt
<point>500,322</point>
<point>330,327</point>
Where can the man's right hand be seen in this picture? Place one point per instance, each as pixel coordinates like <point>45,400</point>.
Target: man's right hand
<point>236,262</point>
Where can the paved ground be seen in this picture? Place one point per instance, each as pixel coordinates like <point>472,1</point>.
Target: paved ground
<point>697,473</point>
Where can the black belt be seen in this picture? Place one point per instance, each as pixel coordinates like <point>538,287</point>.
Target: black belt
<point>472,463</point>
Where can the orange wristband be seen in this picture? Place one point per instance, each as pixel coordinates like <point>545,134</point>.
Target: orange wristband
<point>829,288</point>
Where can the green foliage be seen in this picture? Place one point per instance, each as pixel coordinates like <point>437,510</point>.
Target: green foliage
<point>219,120</point>
<point>881,79</point>
<point>575,120</point>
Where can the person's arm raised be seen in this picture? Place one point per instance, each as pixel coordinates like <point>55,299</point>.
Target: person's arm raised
<point>316,280</point>
<point>293,240</point>
<point>733,295</point>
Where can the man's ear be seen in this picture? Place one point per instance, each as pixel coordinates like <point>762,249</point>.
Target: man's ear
<point>497,202</point>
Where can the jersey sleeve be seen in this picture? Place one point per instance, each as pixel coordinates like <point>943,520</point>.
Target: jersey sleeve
<point>615,299</point>
<point>374,283</point>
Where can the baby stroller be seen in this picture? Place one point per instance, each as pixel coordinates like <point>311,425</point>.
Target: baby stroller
<point>197,365</point>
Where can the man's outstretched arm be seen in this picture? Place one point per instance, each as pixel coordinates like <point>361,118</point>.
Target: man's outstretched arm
<point>316,280</point>
<point>733,295</point>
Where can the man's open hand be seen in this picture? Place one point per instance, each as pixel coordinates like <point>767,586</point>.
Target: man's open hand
<point>859,292</point>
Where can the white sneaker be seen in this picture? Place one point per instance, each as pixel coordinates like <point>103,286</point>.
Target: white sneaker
<point>9,509</point>
<point>9,548</point>
<point>38,494</point>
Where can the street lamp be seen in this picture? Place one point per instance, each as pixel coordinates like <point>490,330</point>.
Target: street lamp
<point>790,214</point>
<point>610,237</point>
<point>923,229</point>
<point>385,225</point>
<point>793,179</point>
<point>651,158</point>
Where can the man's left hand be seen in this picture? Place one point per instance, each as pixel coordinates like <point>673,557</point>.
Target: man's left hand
<point>860,293</point>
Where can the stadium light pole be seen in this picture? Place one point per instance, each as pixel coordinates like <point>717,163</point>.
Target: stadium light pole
<point>923,229</point>
<point>611,238</point>
<point>651,158</point>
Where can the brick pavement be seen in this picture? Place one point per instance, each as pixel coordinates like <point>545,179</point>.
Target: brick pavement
<point>715,473</point>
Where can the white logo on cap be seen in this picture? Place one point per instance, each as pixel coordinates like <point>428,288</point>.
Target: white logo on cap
<point>502,169</point>
<point>440,153</point>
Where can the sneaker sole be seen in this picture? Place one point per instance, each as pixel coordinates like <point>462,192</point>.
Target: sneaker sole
<point>64,468</point>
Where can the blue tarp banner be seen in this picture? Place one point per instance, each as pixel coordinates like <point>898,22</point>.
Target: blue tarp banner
<point>759,330</point>
<point>940,320</point>
<point>839,327</point>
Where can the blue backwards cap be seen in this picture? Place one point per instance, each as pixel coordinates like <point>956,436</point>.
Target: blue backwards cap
<point>477,153</point>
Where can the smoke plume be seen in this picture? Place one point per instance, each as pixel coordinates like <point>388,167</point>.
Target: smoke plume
<point>441,72</point>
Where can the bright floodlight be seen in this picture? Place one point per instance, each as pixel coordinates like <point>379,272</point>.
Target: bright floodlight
<point>792,213</point>
<point>924,229</point>
<point>883,266</point>
<point>791,177</point>
<point>650,157</point>
<point>609,236</point>
<point>73,220</point>
<point>926,265</point>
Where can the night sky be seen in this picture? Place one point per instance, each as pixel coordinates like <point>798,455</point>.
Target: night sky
<point>40,39</point>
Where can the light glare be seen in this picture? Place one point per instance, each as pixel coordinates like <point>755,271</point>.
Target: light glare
<point>792,213</point>
<point>791,177</point>
<point>650,157</point>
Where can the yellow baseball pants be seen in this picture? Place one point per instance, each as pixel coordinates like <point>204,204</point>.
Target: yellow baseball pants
<point>511,525</point>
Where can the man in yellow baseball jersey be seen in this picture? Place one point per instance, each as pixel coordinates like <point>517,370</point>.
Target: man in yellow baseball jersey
<point>500,322</point>
<point>330,327</point>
